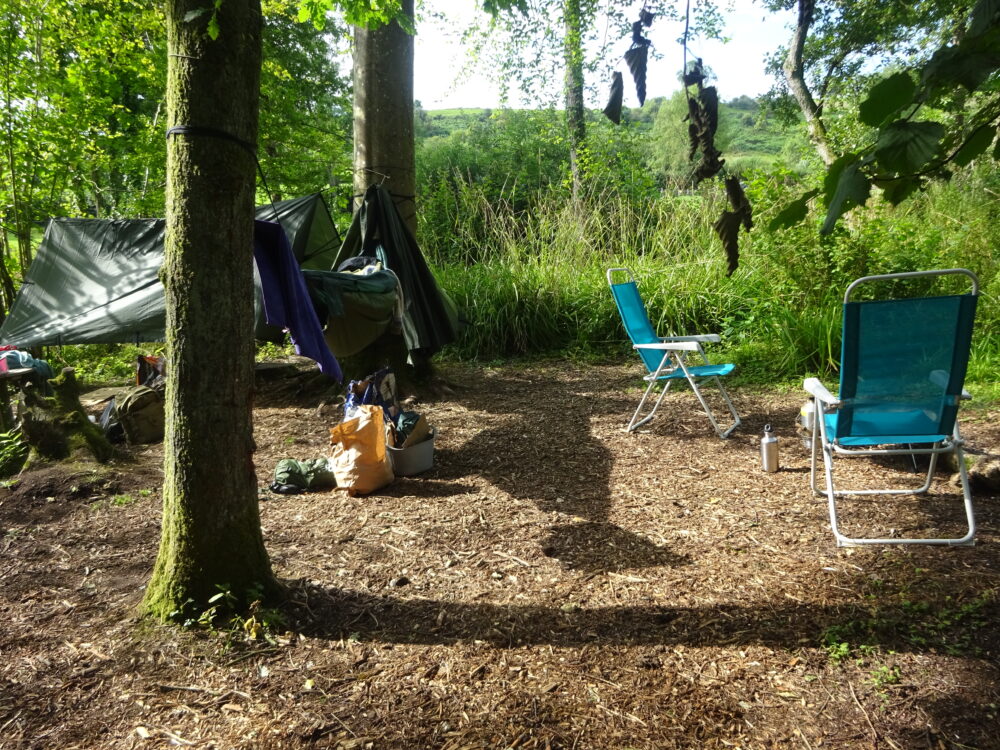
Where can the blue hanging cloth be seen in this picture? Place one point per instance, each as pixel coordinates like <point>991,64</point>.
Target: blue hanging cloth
<point>286,298</point>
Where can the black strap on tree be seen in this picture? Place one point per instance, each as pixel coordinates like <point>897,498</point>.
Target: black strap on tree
<point>213,133</point>
<point>202,130</point>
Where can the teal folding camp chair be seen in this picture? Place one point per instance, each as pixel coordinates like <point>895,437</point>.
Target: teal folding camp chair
<point>665,357</point>
<point>902,369</point>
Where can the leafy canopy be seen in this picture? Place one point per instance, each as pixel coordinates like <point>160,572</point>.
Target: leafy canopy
<point>367,13</point>
<point>924,120</point>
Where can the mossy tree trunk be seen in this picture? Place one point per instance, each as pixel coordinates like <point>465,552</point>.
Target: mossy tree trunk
<point>56,428</point>
<point>211,536</point>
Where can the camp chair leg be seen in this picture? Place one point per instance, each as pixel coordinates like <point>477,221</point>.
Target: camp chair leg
<point>635,423</point>
<point>832,494</point>
<point>693,381</point>
<point>708,411</point>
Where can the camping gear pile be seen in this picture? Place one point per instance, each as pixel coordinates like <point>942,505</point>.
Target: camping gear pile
<point>21,370</point>
<point>375,442</point>
<point>137,416</point>
<point>96,281</point>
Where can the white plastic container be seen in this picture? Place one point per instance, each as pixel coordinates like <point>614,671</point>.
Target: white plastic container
<point>413,460</point>
<point>807,417</point>
<point>769,450</point>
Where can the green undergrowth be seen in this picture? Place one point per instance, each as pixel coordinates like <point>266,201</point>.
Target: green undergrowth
<point>537,284</point>
<point>111,364</point>
<point>236,622</point>
<point>529,275</point>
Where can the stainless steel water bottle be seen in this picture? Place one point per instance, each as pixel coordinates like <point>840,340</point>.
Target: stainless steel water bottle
<point>769,450</point>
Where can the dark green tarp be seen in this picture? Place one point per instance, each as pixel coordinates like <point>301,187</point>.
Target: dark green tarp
<point>95,281</point>
<point>377,230</point>
<point>357,308</point>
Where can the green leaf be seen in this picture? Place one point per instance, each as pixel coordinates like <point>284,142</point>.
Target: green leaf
<point>886,98</point>
<point>213,27</point>
<point>983,16</point>
<point>793,213</point>
<point>904,147</point>
<point>853,189</point>
<point>897,190</point>
<point>968,64</point>
<point>367,13</point>
<point>975,145</point>
<point>495,7</point>
<point>193,14</point>
<point>832,178</point>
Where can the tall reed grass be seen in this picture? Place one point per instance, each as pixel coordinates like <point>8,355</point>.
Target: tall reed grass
<point>536,282</point>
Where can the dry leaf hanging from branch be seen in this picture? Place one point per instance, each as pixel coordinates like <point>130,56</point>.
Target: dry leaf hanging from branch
<point>636,59</point>
<point>703,121</point>
<point>614,109</point>
<point>728,225</point>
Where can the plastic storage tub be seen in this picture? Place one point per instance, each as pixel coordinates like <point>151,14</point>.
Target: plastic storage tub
<point>413,460</point>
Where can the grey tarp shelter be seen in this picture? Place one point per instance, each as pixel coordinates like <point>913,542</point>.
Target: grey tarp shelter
<point>95,281</point>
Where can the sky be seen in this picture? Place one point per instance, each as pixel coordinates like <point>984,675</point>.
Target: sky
<point>737,64</point>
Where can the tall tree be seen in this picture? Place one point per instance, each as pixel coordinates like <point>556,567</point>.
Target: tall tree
<point>576,124</point>
<point>794,70</point>
<point>383,111</point>
<point>211,535</point>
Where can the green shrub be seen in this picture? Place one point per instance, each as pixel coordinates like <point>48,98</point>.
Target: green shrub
<point>13,453</point>
<point>537,285</point>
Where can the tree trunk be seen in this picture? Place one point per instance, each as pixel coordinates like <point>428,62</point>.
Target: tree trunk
<point>576,127</point>
<point>383,114</point>
<point>794,70</point>
<point>56,428</point>
<point>211,537</point>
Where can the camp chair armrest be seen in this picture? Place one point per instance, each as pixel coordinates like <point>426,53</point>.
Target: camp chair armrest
<point>940,378</point>
<point>707,338</point>
<point>671,346</point>
<point>819,392</point>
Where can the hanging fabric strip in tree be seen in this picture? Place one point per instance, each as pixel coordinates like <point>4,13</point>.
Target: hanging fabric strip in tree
<point>614,109</point>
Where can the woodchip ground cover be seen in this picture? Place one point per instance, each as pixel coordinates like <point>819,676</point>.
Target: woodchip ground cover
<point>552,582</point>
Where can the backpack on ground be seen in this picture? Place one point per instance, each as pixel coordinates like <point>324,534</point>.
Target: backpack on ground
<point>140,412</point>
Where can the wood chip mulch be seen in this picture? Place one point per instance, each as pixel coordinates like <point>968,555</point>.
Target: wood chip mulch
<point>552,582</point>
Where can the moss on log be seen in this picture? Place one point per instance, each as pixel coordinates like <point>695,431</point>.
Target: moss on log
<point>56,428</point>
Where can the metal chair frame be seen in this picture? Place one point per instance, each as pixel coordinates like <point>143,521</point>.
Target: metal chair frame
<point>827,403</point>
<point>673,365</point>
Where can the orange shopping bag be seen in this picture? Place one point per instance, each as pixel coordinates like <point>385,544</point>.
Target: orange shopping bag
<point>360,461</point>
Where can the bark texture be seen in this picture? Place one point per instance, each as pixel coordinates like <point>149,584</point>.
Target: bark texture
<point>794,70</point>
<point>576,126</point>
<point>211,536</point>
<point>56,427</point>
<point>383,114</point>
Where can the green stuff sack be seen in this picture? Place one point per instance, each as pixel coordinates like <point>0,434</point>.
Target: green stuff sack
<point>140,413</point>
<point>292,477</point>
